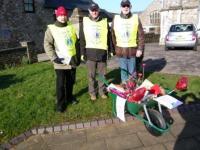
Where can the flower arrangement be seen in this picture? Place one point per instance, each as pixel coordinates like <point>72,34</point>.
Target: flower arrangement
<point>134,92</point>
<point>135,88</point>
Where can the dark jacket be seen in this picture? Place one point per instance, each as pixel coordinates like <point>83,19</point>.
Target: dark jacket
<point>94,54</point>
<point>129,51</point>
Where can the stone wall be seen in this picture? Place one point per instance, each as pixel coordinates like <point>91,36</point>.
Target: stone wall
<point>169,4</point>
<point>18,55</point>
<point>152,38</point>
<point>17,26</point>
<point>12,57</point>
<point>190,3</point>
<point>24,26</point>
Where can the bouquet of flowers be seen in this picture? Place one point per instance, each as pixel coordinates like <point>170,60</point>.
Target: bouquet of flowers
<point>129,90</point>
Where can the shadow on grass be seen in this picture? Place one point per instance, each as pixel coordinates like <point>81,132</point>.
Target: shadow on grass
<point>152,65</point>
<point>192,96</point>
<point>114,76</point>
<point>7,80</point>
<point>155,65</point>
<point>81,92</point>
<point>188,137</point>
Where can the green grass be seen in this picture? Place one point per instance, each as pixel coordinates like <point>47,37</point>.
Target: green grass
<point>27,98</point>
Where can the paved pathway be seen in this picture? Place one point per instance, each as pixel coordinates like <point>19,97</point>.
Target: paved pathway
<point>132,135</point>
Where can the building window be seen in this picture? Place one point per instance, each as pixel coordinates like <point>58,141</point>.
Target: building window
<point>151,29</point>
<point>155,18</point>
<point>29,6</point>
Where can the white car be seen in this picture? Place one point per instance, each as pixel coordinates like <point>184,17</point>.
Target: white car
<point>181,35</point>
<point>198,35</point>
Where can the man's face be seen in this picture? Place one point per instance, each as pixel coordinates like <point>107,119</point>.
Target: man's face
<point>62,18</point>
<point>94,13</point>
<point>125,9</point>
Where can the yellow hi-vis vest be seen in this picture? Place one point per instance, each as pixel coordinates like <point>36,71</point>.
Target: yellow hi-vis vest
<point>65,41</point>
<point>126,31</point>
<point>95,33</point>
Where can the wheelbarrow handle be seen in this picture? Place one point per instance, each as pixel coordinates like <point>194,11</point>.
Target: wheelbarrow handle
<point>103,79</point>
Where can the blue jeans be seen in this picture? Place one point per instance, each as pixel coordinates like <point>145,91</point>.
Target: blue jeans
<point>127,67</point>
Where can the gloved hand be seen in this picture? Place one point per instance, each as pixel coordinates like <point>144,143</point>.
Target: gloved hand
<point>82,57</point>
<point>110,55</point>
<point>58,60</point>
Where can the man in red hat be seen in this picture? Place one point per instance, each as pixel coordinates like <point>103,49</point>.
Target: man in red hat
<point>95,44</point>
<point>128,39</point>
<point>61,46</point>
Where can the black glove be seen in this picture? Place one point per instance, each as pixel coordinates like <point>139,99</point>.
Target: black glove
<point>58,60</point>
<point>75,61</point>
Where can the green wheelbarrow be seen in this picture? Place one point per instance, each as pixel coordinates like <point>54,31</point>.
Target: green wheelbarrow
<point>153,119</point>
<point>148,111</point>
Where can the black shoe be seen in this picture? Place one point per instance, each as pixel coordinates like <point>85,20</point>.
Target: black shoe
<point>60,109</point>
<point>74,101</point>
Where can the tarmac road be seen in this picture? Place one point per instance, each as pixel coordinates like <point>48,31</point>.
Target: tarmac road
<point>176,61</point>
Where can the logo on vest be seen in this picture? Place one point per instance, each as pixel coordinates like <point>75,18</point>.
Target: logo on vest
<point>96,36</point>
<point>69,41</point>
<point>125,35</point>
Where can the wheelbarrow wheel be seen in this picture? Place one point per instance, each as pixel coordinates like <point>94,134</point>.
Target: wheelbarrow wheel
<point>157,120</point>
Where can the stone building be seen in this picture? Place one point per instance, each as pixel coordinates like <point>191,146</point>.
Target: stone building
<point>150,17</point>
<point>26,20</point>
<point>178,11</point>
<point>161,14</point>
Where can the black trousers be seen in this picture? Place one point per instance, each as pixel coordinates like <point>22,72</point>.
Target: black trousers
<point>65,80</point>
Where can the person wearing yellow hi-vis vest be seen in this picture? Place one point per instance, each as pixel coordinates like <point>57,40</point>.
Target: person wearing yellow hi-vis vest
<point>61,46</point>
<point>95,45</point>
<point>128,40</point>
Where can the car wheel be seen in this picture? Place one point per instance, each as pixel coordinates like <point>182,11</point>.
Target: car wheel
<point>195,48</point>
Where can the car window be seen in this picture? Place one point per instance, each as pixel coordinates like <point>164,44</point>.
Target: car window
<point>182,28</point>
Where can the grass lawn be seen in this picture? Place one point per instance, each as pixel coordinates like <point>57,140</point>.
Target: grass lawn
<point>27,98</point>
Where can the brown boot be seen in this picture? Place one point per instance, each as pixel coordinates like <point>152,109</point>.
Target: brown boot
<point>103,96</point>
<point>93,97</point>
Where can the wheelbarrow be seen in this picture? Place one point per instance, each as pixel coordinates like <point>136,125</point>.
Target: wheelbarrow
<point>152,119</point>
<point>147,110</point>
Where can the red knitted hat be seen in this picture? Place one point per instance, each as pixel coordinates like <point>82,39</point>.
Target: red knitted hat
<point>61,11</point>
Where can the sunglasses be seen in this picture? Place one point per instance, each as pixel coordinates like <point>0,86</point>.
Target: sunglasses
<point>126,6</point>
<point>94,9</point>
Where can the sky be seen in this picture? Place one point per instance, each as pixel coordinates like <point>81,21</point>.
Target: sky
<point>114,5</point>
